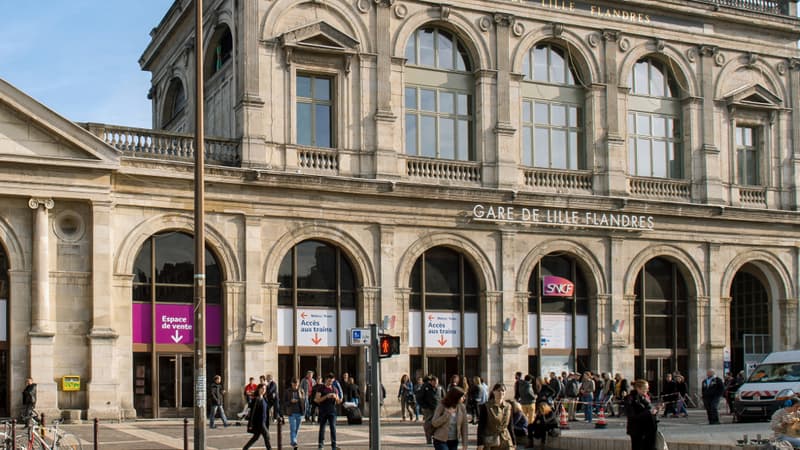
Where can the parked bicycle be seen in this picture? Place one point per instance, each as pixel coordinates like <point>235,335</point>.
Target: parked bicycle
<point>40,437</point>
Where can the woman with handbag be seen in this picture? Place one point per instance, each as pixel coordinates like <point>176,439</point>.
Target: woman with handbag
<point>495,430</point>
<point>450,421</point>
<point>642,417</point>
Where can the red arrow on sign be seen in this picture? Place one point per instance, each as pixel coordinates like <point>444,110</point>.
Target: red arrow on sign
<point>303,315</point>
<point>430,316</point>
<point>442,341</point>
<point>316,339</point>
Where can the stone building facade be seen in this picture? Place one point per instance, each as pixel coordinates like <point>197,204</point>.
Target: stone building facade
<point>506,185</point>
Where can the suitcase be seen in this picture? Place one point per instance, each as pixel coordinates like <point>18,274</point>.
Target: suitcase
<point>353,415</point>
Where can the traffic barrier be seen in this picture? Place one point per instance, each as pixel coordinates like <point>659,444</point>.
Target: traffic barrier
<point>601,419</point>
<point>563,422</point>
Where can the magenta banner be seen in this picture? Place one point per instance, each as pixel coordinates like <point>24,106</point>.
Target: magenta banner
<point>175,324</point>
<point>553,286</point>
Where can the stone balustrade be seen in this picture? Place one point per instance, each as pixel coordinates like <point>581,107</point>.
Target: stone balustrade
<point>753,197</point>
<point>765,6</point>
<point>318,160</point>
<point>146,143</point>
<point>561,181</point>
<point>443,170</point>
<point>660,188</point>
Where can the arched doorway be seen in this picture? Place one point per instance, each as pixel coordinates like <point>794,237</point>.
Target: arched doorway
<point>661,327</point>
<point>444,315</point>
<point>163,324</point>
<point>4,335</point>
<point>750,317</point>
<point>558,316</point>
<point>316,305</point>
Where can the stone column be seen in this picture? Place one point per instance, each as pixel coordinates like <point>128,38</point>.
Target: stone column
<point>599,329</point>
<point>623,338</point>
<point>505,148</point>
<point>708,181</point>
<point>615,145</point>
<point>122,291</point>
<point>250,105</point>
<point>793,183</point>
<point>104,377</point>
<point>41,334</point>
<point>788,314</point>
<point>385,141</point>
<point>492,361</point>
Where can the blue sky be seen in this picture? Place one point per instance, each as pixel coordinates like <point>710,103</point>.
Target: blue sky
<point>81,57</point>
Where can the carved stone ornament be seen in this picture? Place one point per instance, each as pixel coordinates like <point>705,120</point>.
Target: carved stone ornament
<point>691,54</point>
<point>593,39</point>
<point>34,203</point>
<point>503,20</point>
<point>781,68</point>
<point>287,57</point>
<point>444,12</point>
<point>386,3</point>
<point>719,59</point>
<point>708,50</point>
<point>484,23</point>
<point>658,44</point>
<point>362,6</point>
<point>558,29</point>
<point>611,35</point>
<point>752,59</point>
<point>624,44</point>
<point>400,11</point>
<point>518,28</point>
<point>794,64</point>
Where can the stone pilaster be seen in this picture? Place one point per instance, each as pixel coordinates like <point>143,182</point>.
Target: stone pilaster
<point>615,144</point>
<point>385,118</point>
<point>249,108</point>
<point>708,181</point>
<point>788,314</point>
<point>389,307</point>
<point>371,304</point>
<point>623,337</point>
<point>491,339</point>
<point>600,330</point>
<point>41,334</point>
<point>793,183</point>
<point>507,172</point>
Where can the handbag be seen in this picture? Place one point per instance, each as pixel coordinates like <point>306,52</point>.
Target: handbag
<point>661,443</point>
<point>491,440</point>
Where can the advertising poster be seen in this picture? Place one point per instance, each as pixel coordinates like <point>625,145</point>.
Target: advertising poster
<point>175,324</point>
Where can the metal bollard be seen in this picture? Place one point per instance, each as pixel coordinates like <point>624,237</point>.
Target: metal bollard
<point>185,433</point>
<point>42,426</point>
<point>13,431</point>
<point>280,426</point>
<point>95,433</point>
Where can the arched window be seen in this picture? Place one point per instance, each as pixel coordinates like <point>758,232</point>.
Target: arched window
<point>4,335</point>
<point>174,102</point>
<point>750,316</point>
<point>444,314</point>
<point>163,323</point>
<point>317,304</point>
<point>552,111</point>
<point>661,322</point>
<point>220,51</point>
<point>558,317</point>
<point>654,122</point>
<point>438,96</point>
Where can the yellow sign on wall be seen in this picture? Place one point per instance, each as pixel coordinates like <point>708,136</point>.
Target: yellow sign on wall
<point>71,383</point>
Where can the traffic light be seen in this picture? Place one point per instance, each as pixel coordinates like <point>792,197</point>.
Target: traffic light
<point>388,345</point>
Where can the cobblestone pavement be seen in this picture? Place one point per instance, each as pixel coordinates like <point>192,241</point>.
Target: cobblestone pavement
<point>395,434</point>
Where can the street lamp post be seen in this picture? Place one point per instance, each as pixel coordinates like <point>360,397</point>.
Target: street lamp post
<point>199,241</point>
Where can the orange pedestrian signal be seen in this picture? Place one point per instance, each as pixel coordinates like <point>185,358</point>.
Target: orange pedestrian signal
<point>388,345</point>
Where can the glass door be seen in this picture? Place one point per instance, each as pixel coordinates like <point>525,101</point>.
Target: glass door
<point>443,368</point>
<point>175,385</point>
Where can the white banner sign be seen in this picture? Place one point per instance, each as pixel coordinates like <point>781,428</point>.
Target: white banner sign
<point>557,331</point>
<point>316,327</point>
<point>285,330</point>
<point>442,330</point>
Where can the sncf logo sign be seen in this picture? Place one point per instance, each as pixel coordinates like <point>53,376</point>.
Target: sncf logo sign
<point>557,287</point>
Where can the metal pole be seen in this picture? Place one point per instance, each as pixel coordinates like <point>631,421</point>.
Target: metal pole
<point>199,240</point>
<point>374,390</point>
<point>96,434</point>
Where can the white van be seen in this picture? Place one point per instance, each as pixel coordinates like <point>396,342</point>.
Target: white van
<point>774,380</point>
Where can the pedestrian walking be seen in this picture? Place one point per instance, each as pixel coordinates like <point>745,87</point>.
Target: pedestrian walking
<point>259,419</point>
<point>450,421</point>
<point>712,391</point>
<point>406,396</point>
<point>326,399</point>
<point>474,399</point>
<point>495,429</point>
<point>217,394</point>
<point>428,401</point>
<point>273,400</point>
<point>642,417</point>
<point>294,407</point>
<point>28,401</point>
<point>527,397</point>
<point>307,384</point>
<point>587,395</point>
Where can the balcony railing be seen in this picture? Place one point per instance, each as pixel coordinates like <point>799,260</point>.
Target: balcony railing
<point>561,181</point>
<point>145,143</point>
<point>660,188</point>
<point>764,6</point>
<point>318,160</point>
<point>443,170</point>
<point>753,197</point>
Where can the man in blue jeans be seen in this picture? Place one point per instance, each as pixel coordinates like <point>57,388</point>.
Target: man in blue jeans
<point>327,398</point>
<point>216,391</point>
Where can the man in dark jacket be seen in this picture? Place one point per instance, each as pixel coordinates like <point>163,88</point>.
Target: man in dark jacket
<point>428,400</point>
<point>259,419</point>
<point>28,401</point>
<point>217,403</point>
<point>712,393</point>
<point>642,417</point>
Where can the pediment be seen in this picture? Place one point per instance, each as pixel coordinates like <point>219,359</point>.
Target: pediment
<point>32,133</point>
<point>319,36</point>
<point>754,96</point>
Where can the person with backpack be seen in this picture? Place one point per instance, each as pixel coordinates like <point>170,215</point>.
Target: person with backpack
<point>571,392</point>
<point>527,397</point>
